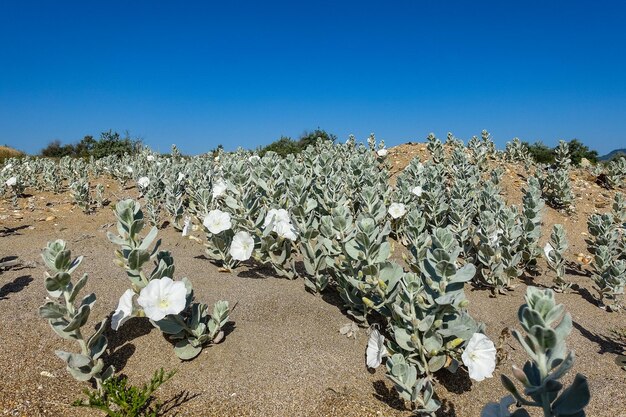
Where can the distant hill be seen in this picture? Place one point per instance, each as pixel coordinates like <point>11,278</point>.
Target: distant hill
<point>613,154</point>
<point>6,152</point>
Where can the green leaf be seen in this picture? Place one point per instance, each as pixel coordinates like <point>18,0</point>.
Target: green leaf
<point>137,257</point>
<point>79,320</point>
<point>79,286</point>
<point>59,325</point>
<point>62,260</point>
<point>74,360</point>
<point>147,241</point>
<point>186,351</point>
<point>403,339</point>
<point>169,325</point>
<point>52,310</point>
<point>573,399</point>
<point>57,282</point>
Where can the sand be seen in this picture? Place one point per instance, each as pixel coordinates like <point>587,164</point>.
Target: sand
<point>283,354</point>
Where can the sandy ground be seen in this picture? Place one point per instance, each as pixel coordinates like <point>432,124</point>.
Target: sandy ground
<point>283,354</point>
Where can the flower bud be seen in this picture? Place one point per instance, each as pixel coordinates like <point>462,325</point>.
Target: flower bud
<point>455,343</point>
<point>520,376</point>
<point>368,302</point>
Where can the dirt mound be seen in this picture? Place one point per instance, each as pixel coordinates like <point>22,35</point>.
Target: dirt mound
<point>6,152</point>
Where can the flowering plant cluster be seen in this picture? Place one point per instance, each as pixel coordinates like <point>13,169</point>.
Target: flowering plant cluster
<point>169,304</point>
<point>333,208</point>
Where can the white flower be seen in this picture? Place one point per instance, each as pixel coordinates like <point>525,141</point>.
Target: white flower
<point>162,297</point>
<point>397,210</point>
<point>129,169</point>
<point>11,182</point>
<point>7,167</point>
<point>217,221</point>
<point>187,226</point>
<point>286,230</point>
<point>382,152</point>
<point>279,216</point>
<point>376,349</point>
<point>480,357</point>
<point>242,245</point>
<point>150,158</point>
<point>282,223</point>
<point>219,188</point>
<point>493,239</point>
<point>143,182</point>
<point>124,310</point>
<point>254,159</point>
<point>417,191</point>
<point>547,250</point>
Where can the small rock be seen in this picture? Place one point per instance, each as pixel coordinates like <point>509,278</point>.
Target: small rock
<point>584,163</point>
<point>50,218</point>
<point>47,374</point>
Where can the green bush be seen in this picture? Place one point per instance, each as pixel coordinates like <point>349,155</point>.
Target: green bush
<point>110,143</point>
<point>285,145</point>
<point>540,153</point>
<point>578,151</point>
<point>543,154</point>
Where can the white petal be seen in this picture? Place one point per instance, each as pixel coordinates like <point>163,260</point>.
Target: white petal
<point>375,349</point>
<point>153,312</point>
<point>149,294</point>
<point>285,230</point>
<point>159,290</point>
<point>177,296</point>
<point>397,210</point>
<point>480,357</point>
<point>187,226</point>
<point>124,310</point>
<point>143,182</point>
<point>547,250</point>
<point>217,221</point>
<point>219,188</point>
<point>242,246</point>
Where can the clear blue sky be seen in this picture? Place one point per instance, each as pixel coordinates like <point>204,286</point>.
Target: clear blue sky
<point>244,73</point>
